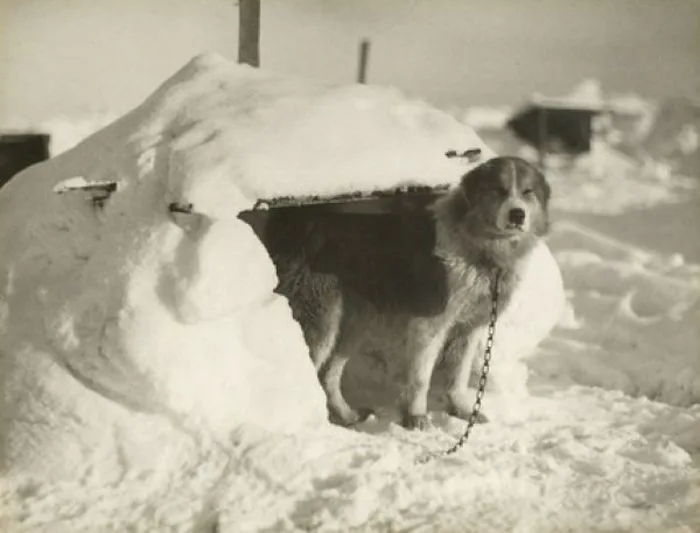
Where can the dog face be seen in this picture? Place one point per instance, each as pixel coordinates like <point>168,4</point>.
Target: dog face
<point>506,197</point>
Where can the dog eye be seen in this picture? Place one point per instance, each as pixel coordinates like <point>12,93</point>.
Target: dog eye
<point>528,192</point>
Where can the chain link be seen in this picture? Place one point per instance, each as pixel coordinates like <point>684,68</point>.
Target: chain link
<point>481,388</point>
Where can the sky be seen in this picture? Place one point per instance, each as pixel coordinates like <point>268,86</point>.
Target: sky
<point>63,57</point>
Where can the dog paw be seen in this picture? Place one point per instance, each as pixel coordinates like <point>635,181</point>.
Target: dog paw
<point>419,422</point>
<point>364,413</point>
<point>350,417</point>
<point>464,414</point>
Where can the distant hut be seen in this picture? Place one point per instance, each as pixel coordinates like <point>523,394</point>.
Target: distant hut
<point>20,150</point>
<point>559,125</point>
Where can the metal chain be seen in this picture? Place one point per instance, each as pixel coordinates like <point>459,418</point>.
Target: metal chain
<point>476,408</point>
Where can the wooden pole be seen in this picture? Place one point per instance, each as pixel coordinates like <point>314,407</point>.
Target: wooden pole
<point>249,32</point>
<point>364,60</point>
<point>542,135</point>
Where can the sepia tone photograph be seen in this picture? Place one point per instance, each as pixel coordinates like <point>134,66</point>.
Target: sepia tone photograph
<point>380,266</point>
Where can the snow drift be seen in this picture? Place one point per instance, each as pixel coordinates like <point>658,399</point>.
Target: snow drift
<point>639,306</point>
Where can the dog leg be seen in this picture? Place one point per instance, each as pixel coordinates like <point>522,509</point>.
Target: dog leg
<point>322,333</point>
<point>425,340</point>
<point>331,377</point>
<point>335,335</point>
<point>461,349</point>
<point>316,303</point>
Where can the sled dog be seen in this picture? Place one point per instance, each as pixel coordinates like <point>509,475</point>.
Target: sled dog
<point>416,285</point>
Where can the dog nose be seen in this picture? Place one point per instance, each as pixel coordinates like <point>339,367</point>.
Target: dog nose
<point>516,215</point>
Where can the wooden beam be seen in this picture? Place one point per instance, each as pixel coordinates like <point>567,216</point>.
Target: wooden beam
<point>249,32</point>
<point>399,200</point>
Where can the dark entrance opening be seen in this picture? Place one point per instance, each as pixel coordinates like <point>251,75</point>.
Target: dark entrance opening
<point>21,150</point>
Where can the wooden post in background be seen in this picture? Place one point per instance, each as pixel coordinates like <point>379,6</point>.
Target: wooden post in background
<point>364,60</point>
<point>249,32</point>
<point>542,136</point>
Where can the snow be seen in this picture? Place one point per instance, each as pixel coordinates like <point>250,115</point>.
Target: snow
<point>481,117</point>
<point>587,94</point>
<point>166,316</point>
<point>153,382</point>
<point>65,132</point>
<point>605,181</point>
<point>630,104</point>
<point>643,309</point>
<point>637,145</point>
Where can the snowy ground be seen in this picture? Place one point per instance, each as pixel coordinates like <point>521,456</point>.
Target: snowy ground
<point>607,438</point>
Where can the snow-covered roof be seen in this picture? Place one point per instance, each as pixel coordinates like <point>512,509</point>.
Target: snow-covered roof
<point>562,103</point>
<point>232,129</point>
<point>586,96</point>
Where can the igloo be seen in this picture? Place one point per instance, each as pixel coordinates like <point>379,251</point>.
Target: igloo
<point>127,326</point>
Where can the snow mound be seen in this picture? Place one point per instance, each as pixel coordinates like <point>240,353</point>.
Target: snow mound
<point>123,325</point>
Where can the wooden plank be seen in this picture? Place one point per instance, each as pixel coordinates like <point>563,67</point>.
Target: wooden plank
<point>384,201</point>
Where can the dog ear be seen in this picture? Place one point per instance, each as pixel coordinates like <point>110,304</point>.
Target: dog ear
<point>547,191</point>
<point>473,180</point>
<point>544,188</point>
<point>543,192</point>
<point>461,200</point>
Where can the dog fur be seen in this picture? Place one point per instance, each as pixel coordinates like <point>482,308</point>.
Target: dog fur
<point>416,286</point>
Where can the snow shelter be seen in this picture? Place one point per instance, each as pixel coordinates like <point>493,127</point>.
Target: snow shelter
<point>20,150</point>
<point>556,125</point>
<point>138,301</point>
<point>168,297</point>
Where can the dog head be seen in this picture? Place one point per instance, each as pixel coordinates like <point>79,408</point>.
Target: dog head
<point>505,198</point>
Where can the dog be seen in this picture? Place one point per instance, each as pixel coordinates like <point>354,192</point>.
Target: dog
<point>415,285</point>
